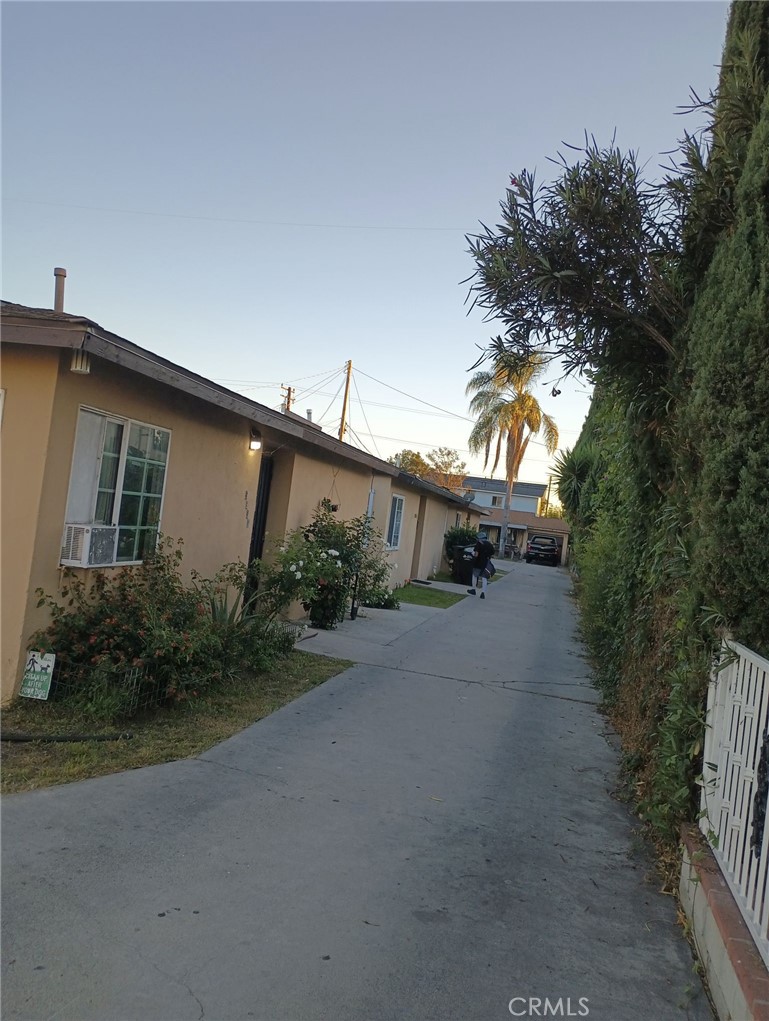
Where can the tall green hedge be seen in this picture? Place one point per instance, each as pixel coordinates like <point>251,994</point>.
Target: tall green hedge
<point>725,415</point>
<point>671,522</point>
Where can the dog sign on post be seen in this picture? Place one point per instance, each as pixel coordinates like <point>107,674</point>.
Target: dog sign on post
<point>38,671</point>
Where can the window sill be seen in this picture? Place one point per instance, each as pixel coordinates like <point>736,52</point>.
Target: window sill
<point>101,567</point>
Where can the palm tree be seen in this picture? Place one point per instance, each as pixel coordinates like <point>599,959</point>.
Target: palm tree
<point>506,410</point>
<point>572,470</point>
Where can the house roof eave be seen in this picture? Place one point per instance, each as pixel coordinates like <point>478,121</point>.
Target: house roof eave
<point>46,328</point>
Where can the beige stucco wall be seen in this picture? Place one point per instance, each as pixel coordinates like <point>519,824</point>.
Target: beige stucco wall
<point>211,479</point>
<point>29,381</point>
<point>401,558</point>
<point>314,480</point>
<point>383,487</point>
<point>437,515</point>
<point>300,482</point>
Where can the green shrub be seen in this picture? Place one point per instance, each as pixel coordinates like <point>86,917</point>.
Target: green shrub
<point>459,535</point>
<point>382,599</point>
<point>324,565</point>
<point>128,635</point>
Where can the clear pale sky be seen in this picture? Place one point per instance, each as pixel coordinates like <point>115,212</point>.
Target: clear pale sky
<point>261,191</point>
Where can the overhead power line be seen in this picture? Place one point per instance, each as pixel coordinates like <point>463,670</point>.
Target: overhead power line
<point>451,414</point>
<point>360,441</point>
<point>365,419</point>
<point>298,379</point>
<point>435,409</point>
<point>433,446</point>
<point>243,219</point>
<point>313,390</point>
<point>332,401</point>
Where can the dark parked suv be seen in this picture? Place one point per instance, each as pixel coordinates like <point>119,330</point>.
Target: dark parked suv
<point>544,549</point>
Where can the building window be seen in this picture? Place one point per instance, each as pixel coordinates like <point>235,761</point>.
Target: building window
<point>396,520</point>
<point>496,501</point>
<point>116,486</point>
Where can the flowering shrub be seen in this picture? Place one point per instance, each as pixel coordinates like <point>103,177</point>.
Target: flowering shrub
<point>325,565</point>
<point>181,637</point>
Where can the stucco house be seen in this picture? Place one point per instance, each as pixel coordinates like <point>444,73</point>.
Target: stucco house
<point>105,443</point>
<point>524,518</point>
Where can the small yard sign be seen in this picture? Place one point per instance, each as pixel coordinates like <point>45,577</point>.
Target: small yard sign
<point>38,670</point>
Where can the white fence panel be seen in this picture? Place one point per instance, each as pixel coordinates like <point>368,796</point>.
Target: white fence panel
<point>736,782</point>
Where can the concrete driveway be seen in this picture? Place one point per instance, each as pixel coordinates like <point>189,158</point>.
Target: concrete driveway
<point>430,836</point>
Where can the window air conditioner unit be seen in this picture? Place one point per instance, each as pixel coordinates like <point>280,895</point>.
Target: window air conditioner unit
<point>88,545</point>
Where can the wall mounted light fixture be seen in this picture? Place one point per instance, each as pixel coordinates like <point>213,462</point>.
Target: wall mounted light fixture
<point>255,442</point>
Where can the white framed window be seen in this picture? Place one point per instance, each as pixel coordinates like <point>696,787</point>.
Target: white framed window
<point>116,490</point>
<point>496,501</point>
<point>396,521</point>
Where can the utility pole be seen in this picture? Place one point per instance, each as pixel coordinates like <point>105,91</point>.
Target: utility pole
<point>289,396</point>
<point>345,401</point>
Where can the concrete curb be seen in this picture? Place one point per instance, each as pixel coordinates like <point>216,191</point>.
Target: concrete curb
<point>736,974</point>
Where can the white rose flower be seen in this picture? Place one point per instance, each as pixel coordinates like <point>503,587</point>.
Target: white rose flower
<point>301,563</point>
<point>333,552</point>
<point>323,556</point>
<point>292,567</point>
<point>298,575</point>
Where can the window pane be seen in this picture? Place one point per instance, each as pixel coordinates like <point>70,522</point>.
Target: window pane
<point>139,440</point>
<point>83,483</point>
<point>155,475</point>
<point>133,480</point>
<point>391,523</point>
<point>146,544</point>
<point>126,544</point>
<point>159,449</point>
<point>113,438</point>
<point>150,514</point>
<point>143,480</point>
<point>129,510</point>
<point>396,514</point>
<point>105,503</point>
<point>108,473</point>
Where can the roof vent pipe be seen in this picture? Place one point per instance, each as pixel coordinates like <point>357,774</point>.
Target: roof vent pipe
<point>309,414</point>
<point>58,297</point>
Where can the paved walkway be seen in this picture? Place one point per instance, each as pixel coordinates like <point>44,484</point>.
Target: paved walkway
<point>429,836</point>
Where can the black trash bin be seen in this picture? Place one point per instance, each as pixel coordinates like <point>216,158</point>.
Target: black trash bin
<point>462,565</point>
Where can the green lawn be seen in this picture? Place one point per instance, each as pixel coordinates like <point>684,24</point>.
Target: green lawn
<point>421,595</point>
<point>158,736</point>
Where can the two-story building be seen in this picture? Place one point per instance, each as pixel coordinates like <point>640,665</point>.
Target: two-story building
<point>524,516</point>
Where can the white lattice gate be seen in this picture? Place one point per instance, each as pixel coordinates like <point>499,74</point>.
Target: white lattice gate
<point>736,782</point>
